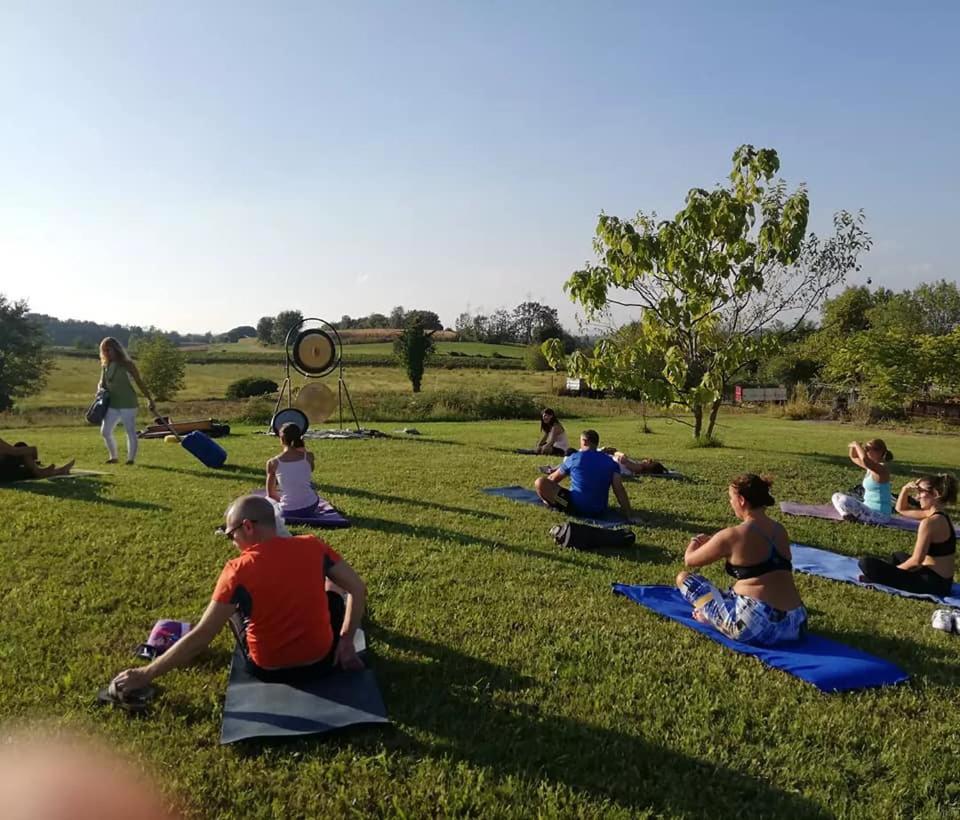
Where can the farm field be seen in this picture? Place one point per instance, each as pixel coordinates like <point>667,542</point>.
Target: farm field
<point>73,381</point>
<point>356,346</point>
<point>516,683</point>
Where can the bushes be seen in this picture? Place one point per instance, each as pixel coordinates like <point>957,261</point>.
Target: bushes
<point>255,411</point>
<point>251,386</point>
<point>533,359</point>
<point>446,405</point>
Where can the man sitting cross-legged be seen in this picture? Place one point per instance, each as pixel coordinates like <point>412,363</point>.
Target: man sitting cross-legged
<point>290,623</point>
<point>592,474</point>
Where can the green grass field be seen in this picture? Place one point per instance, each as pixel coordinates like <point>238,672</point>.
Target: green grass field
<point>517,684</point>
<point>354,348</point>
<point>73,381</point>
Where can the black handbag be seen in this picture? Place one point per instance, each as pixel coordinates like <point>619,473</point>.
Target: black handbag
<point>96,411</point>
<point>577,536</point>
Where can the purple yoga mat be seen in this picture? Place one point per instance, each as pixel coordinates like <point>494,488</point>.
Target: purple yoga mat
<point>324,515</point>
<point>829,512</point>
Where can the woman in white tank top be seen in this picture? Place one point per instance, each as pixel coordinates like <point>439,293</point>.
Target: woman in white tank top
<point>289,474</point>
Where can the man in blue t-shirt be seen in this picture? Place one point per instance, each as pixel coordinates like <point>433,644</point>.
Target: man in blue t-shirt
<point>592,474</point>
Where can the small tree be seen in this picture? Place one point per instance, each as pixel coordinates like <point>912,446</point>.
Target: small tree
<point>413,348</point>
<point>265,330</point>
<point>283,322</point>
<point>24,363</point>
<point>710,283</point>
<point>162,366</point>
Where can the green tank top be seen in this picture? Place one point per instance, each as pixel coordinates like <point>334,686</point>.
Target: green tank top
<point>117,379</point>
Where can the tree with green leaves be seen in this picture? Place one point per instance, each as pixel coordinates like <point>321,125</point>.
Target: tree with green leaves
<point>24,361</point>
<point>265,330</point>
<point>413,349</point>
<point>709,284</point>
<point>282,324</point>
<point>162,366</point>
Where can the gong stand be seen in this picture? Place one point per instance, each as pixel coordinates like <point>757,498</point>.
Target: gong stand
<point>314,349</point>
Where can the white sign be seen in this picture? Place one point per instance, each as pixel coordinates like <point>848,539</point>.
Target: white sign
<point>764,394</point>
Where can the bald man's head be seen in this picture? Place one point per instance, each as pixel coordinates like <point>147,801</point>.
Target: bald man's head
<point>258,512</point>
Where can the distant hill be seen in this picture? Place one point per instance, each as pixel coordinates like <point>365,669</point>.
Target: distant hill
<point>83,334</point>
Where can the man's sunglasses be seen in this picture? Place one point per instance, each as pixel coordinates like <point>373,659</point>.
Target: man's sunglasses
<point>228,534</point>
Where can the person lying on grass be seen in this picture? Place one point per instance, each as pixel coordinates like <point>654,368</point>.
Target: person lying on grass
<point>763,607</point>
<point>635,466</point>
<point>289,474</point>
<point>929,568</point>
<point>592,474</point>
<point>273,596</point>
<point>20,461</point>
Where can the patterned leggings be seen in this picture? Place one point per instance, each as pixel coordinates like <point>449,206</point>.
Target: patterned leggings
<point>742,618</point>
<point>848,505</point>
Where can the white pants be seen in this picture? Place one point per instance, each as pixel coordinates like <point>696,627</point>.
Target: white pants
<point>128,415</point>
<point>849,505</point>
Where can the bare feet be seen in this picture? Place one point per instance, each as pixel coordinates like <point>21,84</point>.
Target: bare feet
<point>65,469</point>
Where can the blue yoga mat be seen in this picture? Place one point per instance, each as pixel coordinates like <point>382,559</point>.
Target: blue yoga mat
<point>828,665</point>
<point>611,520</point>
<point>254,709</point>
<point>836,567</point>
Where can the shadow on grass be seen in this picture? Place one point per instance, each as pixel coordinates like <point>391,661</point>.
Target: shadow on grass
<point>229,472</point>
<point>79,489</point>
<point>416,502</point>
<point>468,716</point>
<point>579,560</point>
<point>911,467</point>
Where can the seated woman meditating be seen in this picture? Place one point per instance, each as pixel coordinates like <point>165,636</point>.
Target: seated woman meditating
<point>20,461</point>
<point>289,474</point>
<point>763,607</point>
<point>876,506</point>
<point>635,466</point>
<point>553,441</point>
<point>929,568</point>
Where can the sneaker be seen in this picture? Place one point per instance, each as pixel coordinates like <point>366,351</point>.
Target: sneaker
<point>945,620</point>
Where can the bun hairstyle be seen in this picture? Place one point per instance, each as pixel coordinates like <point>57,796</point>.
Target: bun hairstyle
<point>880,444</point>
<point>553,419</point>
<point>290,435</point>
<point>944,485</point>
<point>754,489</point>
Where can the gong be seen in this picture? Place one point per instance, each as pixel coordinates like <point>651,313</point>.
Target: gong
<point>317,401</point>
<point>313,352</point>
<point>287,416</point>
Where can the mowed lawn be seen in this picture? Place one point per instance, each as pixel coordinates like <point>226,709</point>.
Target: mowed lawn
<point>517,684</point>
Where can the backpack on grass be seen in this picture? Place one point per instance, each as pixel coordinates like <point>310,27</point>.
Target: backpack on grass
<point>577,536</point>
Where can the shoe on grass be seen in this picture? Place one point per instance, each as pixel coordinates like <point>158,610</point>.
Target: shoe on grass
<point>945,620</point>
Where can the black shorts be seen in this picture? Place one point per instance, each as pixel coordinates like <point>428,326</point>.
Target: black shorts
<point>564,501</point>
<point>301,674</point>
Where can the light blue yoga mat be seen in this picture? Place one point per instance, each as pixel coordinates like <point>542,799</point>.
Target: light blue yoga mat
<point>827,664</point>
<point>836,567</point>
<point>524,495</point>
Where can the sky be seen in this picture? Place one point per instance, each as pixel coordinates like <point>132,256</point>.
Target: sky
<point>195,166</point>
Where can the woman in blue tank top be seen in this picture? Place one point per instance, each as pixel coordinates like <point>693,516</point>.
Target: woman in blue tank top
<point>877,504</point>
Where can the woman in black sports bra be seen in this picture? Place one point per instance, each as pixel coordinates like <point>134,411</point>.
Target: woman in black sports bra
<point>763,606</point>
<point>929,568</point>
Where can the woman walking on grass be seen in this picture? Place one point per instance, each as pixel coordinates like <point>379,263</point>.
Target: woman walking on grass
<point>117,369</point>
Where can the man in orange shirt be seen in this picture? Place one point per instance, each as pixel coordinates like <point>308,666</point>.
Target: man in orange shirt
<point>278,593</point>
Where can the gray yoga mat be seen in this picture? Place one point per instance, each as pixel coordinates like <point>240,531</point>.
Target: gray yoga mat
<point>254,709</point>
<point>829,513</point>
